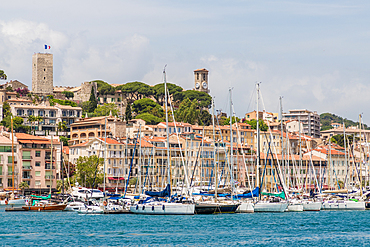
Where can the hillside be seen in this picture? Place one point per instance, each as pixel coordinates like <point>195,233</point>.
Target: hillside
<point>327,118</point>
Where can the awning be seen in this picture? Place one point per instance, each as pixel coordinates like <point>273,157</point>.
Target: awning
<point>112,178</point>
<point>25,141</point>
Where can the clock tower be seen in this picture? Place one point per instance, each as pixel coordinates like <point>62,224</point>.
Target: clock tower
<point>201,80</point>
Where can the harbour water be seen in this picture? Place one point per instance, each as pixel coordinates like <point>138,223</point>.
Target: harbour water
<point>325,228</point>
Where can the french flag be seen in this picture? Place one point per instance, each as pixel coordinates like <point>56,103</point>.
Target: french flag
<point>47,47</point>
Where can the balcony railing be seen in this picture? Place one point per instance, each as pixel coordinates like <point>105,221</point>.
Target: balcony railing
<point>48,167</point>
<point>27,167</point>
<point>49,176</point>
<point>26,157</point>
<point>27,177</point>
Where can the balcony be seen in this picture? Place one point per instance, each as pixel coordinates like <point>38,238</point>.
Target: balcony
<point>48,167</point>
<point>27,177</point>
<point>27,167</point>
<point>26,157</point>
<point>49,177</point>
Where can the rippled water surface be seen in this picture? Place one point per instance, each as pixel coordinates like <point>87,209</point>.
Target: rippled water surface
<point>345,228</point>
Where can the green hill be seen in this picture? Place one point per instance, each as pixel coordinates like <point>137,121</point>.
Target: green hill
<point>326,119</point>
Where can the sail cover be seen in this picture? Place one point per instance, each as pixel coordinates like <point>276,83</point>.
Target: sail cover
<point>163,193</point>
<point>281,194</point>
<point>253,193</point>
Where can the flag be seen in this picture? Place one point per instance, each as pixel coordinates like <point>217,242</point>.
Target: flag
<point>47,47</point>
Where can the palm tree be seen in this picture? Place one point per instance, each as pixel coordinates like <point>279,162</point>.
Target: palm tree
<point>31,119</point>
<point>61,126</point>
<point>38,120</point>
<point>23,185</point>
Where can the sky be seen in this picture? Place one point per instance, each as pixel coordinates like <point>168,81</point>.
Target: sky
<point>315,54</point>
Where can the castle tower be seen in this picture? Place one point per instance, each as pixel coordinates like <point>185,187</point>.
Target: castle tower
<point>201,80</point>
<point>42,73</point>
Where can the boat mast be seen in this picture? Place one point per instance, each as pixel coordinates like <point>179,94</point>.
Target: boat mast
<point>11,119</point>
<point>214,148</point>
<point>258,139</point>
<point>231,146</point>
<point>282,140</point>
<point>345,154</point>
<point>168,138</point>
<point>105,152</point>
<point>51,164</point>
<point>361,160</point>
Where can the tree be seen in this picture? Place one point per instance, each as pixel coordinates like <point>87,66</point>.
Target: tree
<point>206,118</point>
<point>3,76</point>
<point>104,88</point>
<point>6,109</point>
<point>253,123</point>
<point>31,119</point>
<point>87,168</point>
<point>128,113</point>
<point>158,91</point>
<point>149,118</point>
<point>226,120</point>
<point>64,140</point>
<point>135,90</point>
<point>61,126</point>
<point>23,185</point>
<point>204,99</point>
<point>188,112</point>
<point>147,106</point>
<point>68,94</point>
<point>105,110</point>
<point>339,139</point>
<point>93,102</point>
<point>17,124</point>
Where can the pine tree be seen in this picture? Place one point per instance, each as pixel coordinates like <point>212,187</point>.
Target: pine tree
<point>93,103</point>
<point>128,112</point>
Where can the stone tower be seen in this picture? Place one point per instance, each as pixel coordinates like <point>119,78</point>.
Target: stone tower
<point>42,73</point>
<point>201,80</point>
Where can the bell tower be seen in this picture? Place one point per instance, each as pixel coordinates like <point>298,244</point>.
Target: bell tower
<point>42,73</point>
<point>201,80</point>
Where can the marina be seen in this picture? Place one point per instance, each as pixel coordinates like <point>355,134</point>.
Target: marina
<point>324,228</point>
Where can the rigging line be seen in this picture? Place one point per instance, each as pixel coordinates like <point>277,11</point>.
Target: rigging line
<point>245,165</point>
<point>251,98</point>
<point>178,140</point>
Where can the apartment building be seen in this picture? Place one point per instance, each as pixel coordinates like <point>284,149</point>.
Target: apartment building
<point>51,116</point>
<point>6,162</point>
<point>38,165</point>
<point>310,121</point>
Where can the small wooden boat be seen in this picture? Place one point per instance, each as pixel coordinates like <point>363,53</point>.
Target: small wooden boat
<point>46,207</point>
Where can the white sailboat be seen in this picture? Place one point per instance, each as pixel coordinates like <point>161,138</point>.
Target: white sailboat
<point>154,206</point>
<point>271,205</point>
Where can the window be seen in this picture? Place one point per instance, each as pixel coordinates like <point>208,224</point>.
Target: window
<point>41,113</point>
<point>38,154</point>
<point>37,182</point>
<point>37,163</point>
<point>38,173</point>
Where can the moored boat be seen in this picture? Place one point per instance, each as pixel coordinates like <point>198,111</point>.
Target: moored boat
<point>343,205</point>
<point>45,207</point>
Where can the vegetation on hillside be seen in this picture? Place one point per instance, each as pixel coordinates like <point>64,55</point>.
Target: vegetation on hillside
<point>3,76</point>
<point>326,119</point>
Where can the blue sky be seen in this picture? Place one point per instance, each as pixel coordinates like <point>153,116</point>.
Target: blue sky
<point>313,53</point>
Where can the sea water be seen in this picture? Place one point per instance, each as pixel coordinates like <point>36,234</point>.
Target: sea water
<point>325,228</point>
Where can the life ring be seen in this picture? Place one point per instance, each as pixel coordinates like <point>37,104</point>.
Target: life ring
<point>105,203</point>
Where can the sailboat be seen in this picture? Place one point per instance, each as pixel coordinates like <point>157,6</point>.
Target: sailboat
<point>215,205</point>
<point>152,204</point>
<point>274,204</point>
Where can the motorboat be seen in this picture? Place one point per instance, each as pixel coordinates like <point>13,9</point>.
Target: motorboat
<point>245,207</point>
<point>163,208</point>
<point>311,205</point>
<point>75,206</point>
<point>343,205</point>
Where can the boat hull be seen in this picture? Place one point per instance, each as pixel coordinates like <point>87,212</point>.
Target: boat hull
<point>245,207</point>
<point>215,208</point>
<point>312,206</point>
<point>295,208</point>
<point>58,207</point>
<point>343,205</point>
<point>164,209</point>
<point>274,207</point>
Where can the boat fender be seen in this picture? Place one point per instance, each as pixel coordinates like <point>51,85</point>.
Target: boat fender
<point>105,203</point>
<point>163,207</point>
<point>143,207</point>
<point>152,208</point>
<point>137,207</point>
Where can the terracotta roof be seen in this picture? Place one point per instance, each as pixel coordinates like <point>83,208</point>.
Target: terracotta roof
<point>110,141</point>
<point>5,140</point>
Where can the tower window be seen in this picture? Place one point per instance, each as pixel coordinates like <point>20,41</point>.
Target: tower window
<point>197,76</point>
<point>44,69</point>
<point>204,77</point>
<point>44,78</point>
